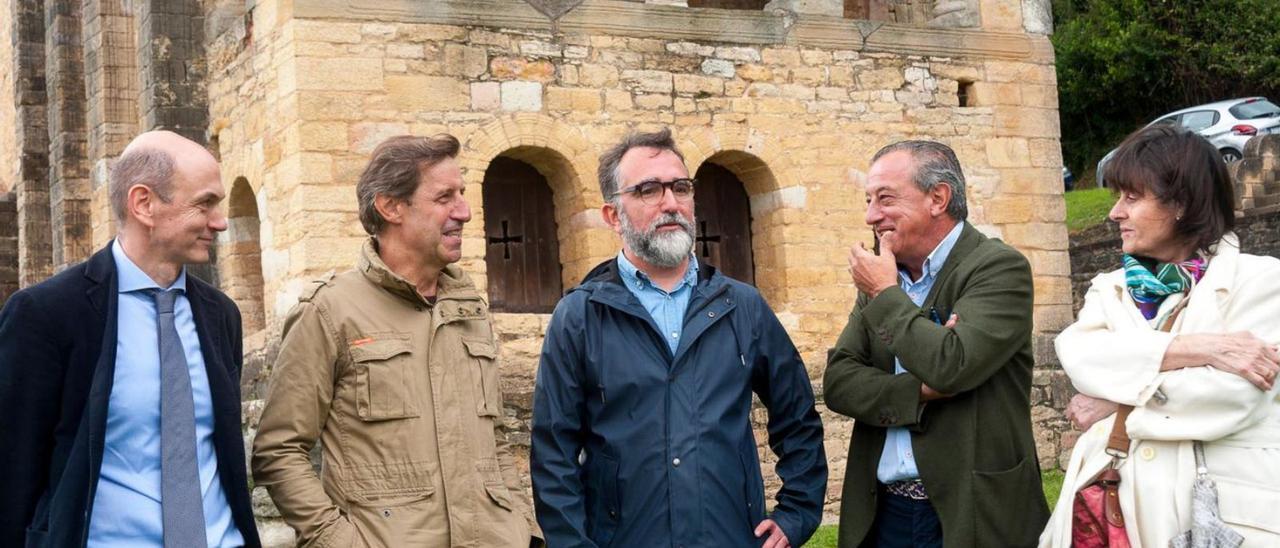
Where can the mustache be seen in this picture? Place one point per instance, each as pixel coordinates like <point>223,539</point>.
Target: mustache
<point>670,218</point>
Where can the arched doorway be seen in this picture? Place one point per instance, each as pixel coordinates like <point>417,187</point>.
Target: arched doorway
<point>522,249</point>
<point>241,261</point>
<point>724,222</point>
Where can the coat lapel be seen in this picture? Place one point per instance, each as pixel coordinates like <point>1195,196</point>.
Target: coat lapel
<point>210,331</point>
<point>968,241</point>
<point>102,295</point>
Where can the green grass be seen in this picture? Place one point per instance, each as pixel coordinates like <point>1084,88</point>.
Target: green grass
<point>1051,481</point>
<point>1086,208</point>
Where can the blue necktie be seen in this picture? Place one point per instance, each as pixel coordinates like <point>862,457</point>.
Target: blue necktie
<point>181,503</point>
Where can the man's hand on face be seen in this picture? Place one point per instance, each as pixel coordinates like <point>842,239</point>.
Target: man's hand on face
<point>873,273</point>
<point>776,538</point>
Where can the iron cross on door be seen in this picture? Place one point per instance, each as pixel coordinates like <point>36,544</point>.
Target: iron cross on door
<point>506,240</point>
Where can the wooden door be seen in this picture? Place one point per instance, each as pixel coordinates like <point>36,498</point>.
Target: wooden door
<point>522,255</point>
<point>724,223</point>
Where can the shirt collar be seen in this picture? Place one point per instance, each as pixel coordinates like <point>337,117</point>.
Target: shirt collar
<point>633,277</point>
<point>131,278</point>
<point>938,257</point>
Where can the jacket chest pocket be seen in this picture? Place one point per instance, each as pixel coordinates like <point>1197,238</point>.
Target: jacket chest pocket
<point>384,379</point>
<point>484,361</point>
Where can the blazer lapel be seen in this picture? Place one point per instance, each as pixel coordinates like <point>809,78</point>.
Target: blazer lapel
<point>209,330</point>
<point>968,241</point>
<point>103,298</point>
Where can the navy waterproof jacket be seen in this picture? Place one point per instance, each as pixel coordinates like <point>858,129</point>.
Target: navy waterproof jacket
<point>635,446</point>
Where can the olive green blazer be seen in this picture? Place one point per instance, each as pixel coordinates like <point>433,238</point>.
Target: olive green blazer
<point>974,450</point>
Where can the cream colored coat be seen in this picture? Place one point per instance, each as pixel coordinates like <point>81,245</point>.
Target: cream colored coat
<point>1111,352</point>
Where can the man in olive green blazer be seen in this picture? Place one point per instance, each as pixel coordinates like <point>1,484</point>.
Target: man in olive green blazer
<point>935,367</point>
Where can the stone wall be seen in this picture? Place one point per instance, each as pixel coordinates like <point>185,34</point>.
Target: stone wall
<point>793,106</point>
<point>1257,174</point>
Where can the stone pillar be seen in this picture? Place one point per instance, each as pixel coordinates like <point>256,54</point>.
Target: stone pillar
<point>111,92</point>
<point>68,167</point>
<point>35,255</point>
<point>8,246</point>
<point>172,92</point>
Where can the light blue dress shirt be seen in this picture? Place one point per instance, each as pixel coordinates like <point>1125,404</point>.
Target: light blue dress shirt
<point>126,508</point>
<point>666,308</point>
<point>897,460</point>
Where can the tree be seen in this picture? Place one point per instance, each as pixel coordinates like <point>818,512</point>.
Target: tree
<point>1121,63</point>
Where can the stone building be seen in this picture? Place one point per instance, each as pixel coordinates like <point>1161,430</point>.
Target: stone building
<point>778,107</point>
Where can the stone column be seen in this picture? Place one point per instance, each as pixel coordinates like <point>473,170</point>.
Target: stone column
<point>35,255</point>
<point>8,246</point>
<point>68,168</point>
<point>111,92</point>
<point>172,92</point>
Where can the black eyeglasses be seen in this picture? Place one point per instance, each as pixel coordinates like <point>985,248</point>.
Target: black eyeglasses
<point>651,192</point>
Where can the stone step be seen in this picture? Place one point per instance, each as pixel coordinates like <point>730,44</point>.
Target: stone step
<point>1266,200</point>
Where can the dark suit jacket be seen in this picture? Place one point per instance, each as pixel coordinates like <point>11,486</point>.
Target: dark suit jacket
<point>57,364</point>
<point>974,450</point>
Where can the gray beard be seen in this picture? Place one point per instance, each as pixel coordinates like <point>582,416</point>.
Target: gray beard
<point>665,249</point>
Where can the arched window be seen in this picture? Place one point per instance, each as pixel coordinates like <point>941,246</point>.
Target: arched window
<point>724,222</point>
<point>241,260</point>
<point>522,252</point>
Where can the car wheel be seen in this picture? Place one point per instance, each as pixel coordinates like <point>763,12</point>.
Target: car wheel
<point>1230,155</point>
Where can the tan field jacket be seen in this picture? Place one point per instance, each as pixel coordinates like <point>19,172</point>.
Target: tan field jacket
<point>404,399</point>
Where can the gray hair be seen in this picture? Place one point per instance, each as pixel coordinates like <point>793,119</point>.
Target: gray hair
<point>149,167</point>
<point>608,171</point>
<point>935,163</point>
<point>395,170</point>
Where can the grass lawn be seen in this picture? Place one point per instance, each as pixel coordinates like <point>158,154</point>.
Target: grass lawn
<point>1086,208</point>
<point>1052,480</point>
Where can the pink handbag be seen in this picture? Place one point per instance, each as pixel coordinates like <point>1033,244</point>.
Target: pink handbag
<point>1096,521</point>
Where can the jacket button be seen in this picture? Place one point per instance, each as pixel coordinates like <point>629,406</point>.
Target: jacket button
<point>1148,453</point>
<point>711,314</point>
<point>613,513</point>
<point>386,513</point>
<point>675,462</point>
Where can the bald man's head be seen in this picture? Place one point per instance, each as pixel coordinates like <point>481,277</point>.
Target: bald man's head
<point>149,160</point>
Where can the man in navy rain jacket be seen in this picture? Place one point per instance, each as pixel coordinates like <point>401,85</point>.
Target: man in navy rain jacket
<point>641,421</point>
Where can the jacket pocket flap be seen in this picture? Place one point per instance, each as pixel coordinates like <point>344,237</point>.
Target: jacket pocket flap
<point>380,350</point>
<point>1248,504</point>
<point>480,348</point>
<point>500,494</point>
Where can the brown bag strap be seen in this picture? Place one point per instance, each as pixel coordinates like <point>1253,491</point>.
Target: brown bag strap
<point>1118,442</point>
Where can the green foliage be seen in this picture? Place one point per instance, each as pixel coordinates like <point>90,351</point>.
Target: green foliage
<point>1089,207</point>
<point>827,535</point>
<point>1122,63</point>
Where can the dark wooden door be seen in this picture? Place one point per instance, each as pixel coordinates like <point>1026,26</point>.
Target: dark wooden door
<point>724,223</point>
<point>522,255</point>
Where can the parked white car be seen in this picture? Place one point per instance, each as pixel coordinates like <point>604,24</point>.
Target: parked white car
<point>1228,125</point>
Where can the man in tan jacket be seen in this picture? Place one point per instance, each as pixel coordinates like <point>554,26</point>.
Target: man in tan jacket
<point>392,366</point>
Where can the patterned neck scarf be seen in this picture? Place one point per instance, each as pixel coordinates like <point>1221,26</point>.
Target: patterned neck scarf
<point>1150,282</point>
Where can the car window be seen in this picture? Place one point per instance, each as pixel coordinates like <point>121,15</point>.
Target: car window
<point>1261,108</point>
<point>1198,120</point>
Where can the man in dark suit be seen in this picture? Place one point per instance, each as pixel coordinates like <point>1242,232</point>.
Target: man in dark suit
<point>935,368</point>
<point>119,377</point>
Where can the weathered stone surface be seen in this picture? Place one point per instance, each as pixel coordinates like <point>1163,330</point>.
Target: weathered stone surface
<point>299,100</point>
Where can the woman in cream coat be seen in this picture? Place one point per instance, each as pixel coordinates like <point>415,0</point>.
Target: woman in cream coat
<point>1210,378</point>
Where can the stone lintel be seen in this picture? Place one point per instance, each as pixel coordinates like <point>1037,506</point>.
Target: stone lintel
<point>619,18</point>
